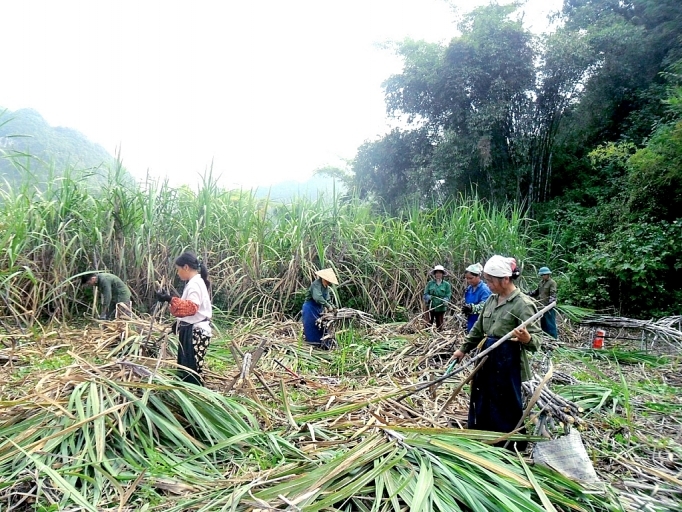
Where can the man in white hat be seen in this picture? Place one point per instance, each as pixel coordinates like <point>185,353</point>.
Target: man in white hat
<point>436,295</point>
<point>316,300</point>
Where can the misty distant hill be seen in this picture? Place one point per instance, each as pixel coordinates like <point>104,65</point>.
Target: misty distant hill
<point>28,144</point>
<point>286,190</point>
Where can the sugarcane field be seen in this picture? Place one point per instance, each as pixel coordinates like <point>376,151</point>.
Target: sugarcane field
<point>95,414</point>
<point>350,256</point>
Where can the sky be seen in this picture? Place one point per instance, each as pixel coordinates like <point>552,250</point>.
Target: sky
<point>262,91</point>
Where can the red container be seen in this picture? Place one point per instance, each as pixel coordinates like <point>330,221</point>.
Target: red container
<point>598,341</point>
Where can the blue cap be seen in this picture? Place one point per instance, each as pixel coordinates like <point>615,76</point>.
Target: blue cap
<point>544,271</point>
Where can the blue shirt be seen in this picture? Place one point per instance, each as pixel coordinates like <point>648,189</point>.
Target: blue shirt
<point>476,297</point>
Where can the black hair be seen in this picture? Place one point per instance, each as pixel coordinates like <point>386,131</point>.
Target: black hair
<point>516,271</point>
<point>189,258</point>
<point>86,277</point>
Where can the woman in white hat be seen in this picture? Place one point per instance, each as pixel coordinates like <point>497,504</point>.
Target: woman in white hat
<point>436,295</point>
<point>496,402</point>
<point>315,302</point>
<point>475,295</point>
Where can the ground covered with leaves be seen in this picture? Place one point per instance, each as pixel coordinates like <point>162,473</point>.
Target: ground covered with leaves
<point>92,418</point>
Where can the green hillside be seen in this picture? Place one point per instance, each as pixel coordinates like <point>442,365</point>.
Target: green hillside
<point>32,149</point>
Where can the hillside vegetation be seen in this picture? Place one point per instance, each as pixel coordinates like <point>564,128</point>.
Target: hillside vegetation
<point>32,150</point>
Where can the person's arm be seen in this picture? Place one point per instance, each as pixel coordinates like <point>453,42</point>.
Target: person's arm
<point>483,295</point>
<point>104,286</point>
<point>448,291</point>
<point>317,295</point>
<point>472,339</point>
<point>525,310</point>
<point>427,292</point>
<point>552,291</point>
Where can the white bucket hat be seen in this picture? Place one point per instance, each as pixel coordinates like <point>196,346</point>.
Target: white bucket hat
<point>328,275</point>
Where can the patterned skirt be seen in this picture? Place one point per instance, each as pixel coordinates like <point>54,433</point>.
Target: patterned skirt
<point>194,343</point>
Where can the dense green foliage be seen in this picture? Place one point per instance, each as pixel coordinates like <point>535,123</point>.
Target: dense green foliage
<point>582,126</point>
<point>261,254</point>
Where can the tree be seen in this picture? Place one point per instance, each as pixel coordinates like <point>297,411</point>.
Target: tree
<point>466,106</point>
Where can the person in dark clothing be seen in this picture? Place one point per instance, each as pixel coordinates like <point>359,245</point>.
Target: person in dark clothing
<point>194,312</point>
<point>545,293</point>
<point>114,292</point>
<point>316,300</point>
<point>496,402</point>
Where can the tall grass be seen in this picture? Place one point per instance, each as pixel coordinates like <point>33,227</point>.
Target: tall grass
<point>261,254</point>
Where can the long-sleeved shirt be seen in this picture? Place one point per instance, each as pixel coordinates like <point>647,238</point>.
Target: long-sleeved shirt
<point>438,292</point>
<point>476,297</point>
<point>319,293</point>
<point>546,291</point>
<point>497,320</point>
<point>113,291</point>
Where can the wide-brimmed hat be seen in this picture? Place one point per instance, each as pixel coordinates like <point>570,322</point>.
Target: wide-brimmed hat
<point>475,269</point>
<point>328,275</point>
<point>544,271</point>
<point>437,268</point>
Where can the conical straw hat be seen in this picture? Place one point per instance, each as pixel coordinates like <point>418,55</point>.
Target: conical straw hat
<point>328,275</point>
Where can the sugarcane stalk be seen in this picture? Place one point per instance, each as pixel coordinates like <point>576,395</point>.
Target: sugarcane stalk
<point>421,386</point>
<point>459,388</point>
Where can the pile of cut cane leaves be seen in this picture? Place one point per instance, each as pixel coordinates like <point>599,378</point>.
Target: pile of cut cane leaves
<point>94,419</point>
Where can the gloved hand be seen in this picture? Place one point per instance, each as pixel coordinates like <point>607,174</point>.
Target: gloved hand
<point>534,293</point>
<point>163,296</point>
<point>467,309</point>
<point>427,298</point>
<point>103,316</point>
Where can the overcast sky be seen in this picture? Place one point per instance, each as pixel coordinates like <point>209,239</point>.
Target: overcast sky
<point>265,90</point>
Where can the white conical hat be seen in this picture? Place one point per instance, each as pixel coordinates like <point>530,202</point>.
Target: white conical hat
<point>328,275</point>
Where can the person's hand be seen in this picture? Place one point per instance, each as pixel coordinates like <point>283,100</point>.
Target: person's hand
<point>427,297</point>
<point>103,316</point>
<point>458,355</point>
<point>534,293</point>
<point>521,335</point>
<point>163,296</point>
<point>467,309</point>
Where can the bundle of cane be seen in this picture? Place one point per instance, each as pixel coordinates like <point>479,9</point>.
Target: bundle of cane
<point>551,404</point>
<point>345,314</point>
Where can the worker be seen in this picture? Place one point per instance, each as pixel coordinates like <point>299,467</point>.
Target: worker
<point>437,295</point>
<point>194,312</point>
<point>496,403</point>
<point>475,295</point>
<point>546,294</point>
<point>316,300</point>
<point>114,292</point>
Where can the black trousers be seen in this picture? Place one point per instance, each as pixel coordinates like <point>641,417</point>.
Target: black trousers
<point>496,402</point>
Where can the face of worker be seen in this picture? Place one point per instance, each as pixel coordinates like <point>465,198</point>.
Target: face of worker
<point>325,283</point>
<point>472,279</point>
<point>545,277</point>
<point>438,274</point>
<point>184,272</point>
<point>497,285</point>
<point>92,281</point>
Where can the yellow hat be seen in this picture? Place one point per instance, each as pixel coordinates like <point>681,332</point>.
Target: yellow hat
<point>328,275</point>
